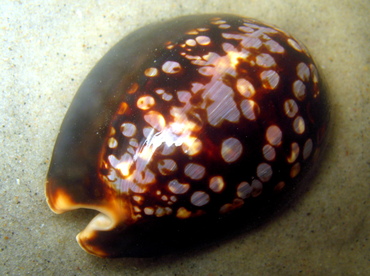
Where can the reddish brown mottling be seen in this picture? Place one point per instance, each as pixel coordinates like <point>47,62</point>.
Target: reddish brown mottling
<point>185,127</point>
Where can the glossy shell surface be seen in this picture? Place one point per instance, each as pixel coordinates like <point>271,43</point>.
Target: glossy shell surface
<point>185,129</point>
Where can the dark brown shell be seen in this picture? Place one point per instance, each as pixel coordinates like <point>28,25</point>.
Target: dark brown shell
<point>187,129</point>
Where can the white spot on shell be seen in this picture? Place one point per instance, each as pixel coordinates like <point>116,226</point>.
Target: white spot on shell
<point>245,88</point>
<point>151,72</point>
<point>194,171</point>
<point>249,109</point>
<point>270,79</point>
<point>299,125</point>
<point>274,47</point>
<point>246,29</point>
<point>224,26</point>
<point>244,190</point>
<point>294,151</point>
<point>171,67</point>
<point>191,42</point>
<point>257,187</point>
<point>264,172</point>
<point>231,150</point>
<point>112,143</point>
<point>167,166</point>
<point>269,152</point>
<point>274,135</point>
<point>203,40</point>
<point>199,198</point>
<point>303,72</point>
<point>128,129</point>
<point>299,90</point>
<point>149,211</point>
<point>191,146</point>
<point>307,148</point>
<point>145,102</point>
<point>184,96</point>
<point>216,184</point>
<point>290,108</point>
<point>178,188</point>
<point>155,119</point>
<point>265,60</point>
<point>294,44</point>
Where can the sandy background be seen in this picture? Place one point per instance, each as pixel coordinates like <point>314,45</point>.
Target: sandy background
<point>46,50</point>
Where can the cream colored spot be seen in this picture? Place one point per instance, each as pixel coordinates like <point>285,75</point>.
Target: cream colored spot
<point>138,199</point>
<point>183,213</point>
<point>178,188</point>
<point>246,29</point>
<point>112,143</point>
<point>131,151</point>
<point>294,171</point>
<point>299,90</point>
<point>202,29</point>
<point>155,119</point>
<point>264,172</point>
<point>294,44</point>
<point>244,190</point>
<point>168,149</point>
<point>299,125</point>
<point>294,151</point>
<point>245,88</point>
<point>167,166</point>
<point>250,42</point>
<point>171,67</point>
<point>269,152</point>
<point>191,145</point>
<point>270,79</point>
<point>290,108</point>
<point>167,97</point>
<point>274,47</point>
<point>231,150</point>
<point>206,71</point>
<point>274,135</point>
<point>191,42</point>
<point>128,129</point>
<point>145,176</point>
<point>315,74</point>
<point>219,22</point>
<point>159,91</point>
<point>199,198</point>
<point>145,102</point>
<point>303,71</point>
<point>192,32</point>
<point>249,109</point>
<point>184,96</point>
<point>123,164</point>
<point>149,211</point>
<point>203,40</point>
<point>307,148</point>
<point>194,171</point>
<point>148,131</point>
<point>265,60</point>
<point>257,188</point>
<point>133,142</point>
<point>151,72</point>
<point>216,184</point>
<point>224,26</point>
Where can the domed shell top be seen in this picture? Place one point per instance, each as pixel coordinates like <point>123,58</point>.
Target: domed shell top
<point>187,128</point>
